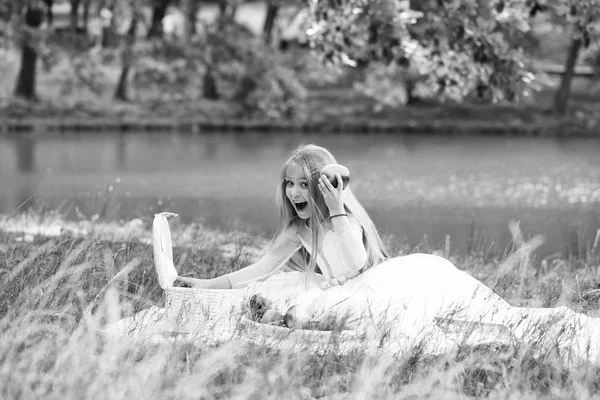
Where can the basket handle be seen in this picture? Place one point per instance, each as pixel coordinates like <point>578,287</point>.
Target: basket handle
<point>163,250</point>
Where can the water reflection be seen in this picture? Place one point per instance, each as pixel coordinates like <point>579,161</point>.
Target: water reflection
<point>121,151</point>
<point>414,187</point>
<point>25,149</point>
<point>25,146</point>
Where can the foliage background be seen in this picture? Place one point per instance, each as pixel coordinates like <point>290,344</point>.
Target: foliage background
<point>391,57</point>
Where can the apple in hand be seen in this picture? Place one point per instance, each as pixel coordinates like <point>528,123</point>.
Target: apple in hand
<point>332,169</point>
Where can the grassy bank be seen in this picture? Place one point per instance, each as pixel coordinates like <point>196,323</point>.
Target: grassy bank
<point>60,281</point>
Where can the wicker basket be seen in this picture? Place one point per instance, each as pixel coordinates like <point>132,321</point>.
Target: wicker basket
<point>316,341</point>
<point>214,316</point>
<point>195,310</point>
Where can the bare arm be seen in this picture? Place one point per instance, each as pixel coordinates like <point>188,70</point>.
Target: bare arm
<point>281,251</point>
<point>348,234</point>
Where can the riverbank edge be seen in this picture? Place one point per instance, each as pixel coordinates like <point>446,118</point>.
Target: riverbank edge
<point>409,126</point>
<point>23,228</point>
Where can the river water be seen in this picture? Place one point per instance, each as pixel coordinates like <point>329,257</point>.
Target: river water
<point>418,189</point>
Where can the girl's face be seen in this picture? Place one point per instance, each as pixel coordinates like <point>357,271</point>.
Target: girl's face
<point>296,190</point>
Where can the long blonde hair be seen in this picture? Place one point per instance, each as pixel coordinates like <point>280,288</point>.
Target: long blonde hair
<point>312,159</point>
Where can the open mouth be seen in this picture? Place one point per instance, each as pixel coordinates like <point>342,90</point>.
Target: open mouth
<point>301,206</point>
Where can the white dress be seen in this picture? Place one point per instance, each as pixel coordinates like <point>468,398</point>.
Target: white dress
<point>418,299</point>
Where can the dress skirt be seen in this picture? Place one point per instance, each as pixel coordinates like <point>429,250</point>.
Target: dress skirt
<point>424,300</point>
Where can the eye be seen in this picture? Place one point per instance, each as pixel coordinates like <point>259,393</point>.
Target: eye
<point>288,183</point>
<point>304,184</point>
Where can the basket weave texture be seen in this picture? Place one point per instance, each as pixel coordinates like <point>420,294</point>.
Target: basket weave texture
<point>190,309</point>
<point>317,341</point>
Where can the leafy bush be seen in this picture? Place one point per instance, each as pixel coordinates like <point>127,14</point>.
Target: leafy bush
<point>227,57</point>
<point>250,72</point>
<point>460,48</point>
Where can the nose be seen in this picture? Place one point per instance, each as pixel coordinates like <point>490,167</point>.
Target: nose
<point>295,192</point>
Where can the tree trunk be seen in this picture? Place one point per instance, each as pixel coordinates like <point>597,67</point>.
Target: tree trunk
<point>109,37</point>
<point>190,11</point>
<point>246,87</point>
<point>186,7</point>
<point>86,15</point>
<point>122,88</point>
<point>209,86</point>
<point>49,13</point>
<point>193,16</point>
<point>222,8</point>
<point>159,11</point>
<point>227,11</point>
<point>561,97</point>
<point>122,92</point>
<point>75,14</point>
<point>409,86</point>
<point>26,80</point>
<point>272,11</point>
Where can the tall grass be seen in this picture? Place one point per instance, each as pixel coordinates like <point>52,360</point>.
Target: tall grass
<point>56,292</point>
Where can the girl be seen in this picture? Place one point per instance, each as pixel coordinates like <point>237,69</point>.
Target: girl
<point>312,215</point>
<point>341,271</point>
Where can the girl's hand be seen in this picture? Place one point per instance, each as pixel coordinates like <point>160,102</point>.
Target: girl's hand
<point>334,197</point>
<point>192,282</point>
<point>215,283</point>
